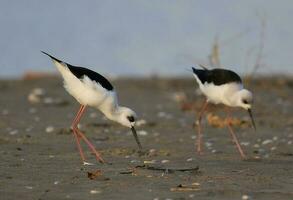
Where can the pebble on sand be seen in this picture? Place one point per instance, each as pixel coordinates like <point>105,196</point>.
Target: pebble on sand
<point>268,141</point>
<point>149,161</point>
<point>29,187</point>
<point>5,112</point>
<point>35,95</point>
<point>50,129</point>
<point>95,191</point>
<point>142,133</point>
<point>13,132</point>
<point>140,122</point>
<point>273,148</point>
<point>245,143</point>
<point>245,197</point>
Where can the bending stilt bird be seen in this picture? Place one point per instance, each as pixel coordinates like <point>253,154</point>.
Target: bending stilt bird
<point>90,88</point>
<point>225,87</point>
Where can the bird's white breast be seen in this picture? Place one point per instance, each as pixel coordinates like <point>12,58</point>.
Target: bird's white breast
<point>220,93</point>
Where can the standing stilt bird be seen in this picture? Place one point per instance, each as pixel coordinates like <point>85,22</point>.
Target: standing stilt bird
<point>222,86</point>
<point>90,88</point>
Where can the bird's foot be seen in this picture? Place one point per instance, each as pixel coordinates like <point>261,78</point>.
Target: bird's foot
<point>244,157</point>
<point>200,152</point>
<point>87,163</point>
<point>99,158</point>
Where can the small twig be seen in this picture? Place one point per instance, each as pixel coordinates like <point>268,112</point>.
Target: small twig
<point>168,170</point>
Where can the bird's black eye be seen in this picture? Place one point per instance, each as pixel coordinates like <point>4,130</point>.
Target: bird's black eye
<point>131,118</point>
<point>245,101</point>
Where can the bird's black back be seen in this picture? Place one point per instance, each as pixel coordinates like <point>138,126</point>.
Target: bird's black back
<point>216,76</point>
<point>80,72</point>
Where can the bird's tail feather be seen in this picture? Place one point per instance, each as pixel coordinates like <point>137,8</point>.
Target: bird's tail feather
<point>52,57</point>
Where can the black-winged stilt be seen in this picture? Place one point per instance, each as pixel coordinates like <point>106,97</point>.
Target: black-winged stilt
<point>90,88</point>
<point>222,86</point>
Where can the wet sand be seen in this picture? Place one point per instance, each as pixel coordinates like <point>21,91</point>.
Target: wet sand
<point>39,159</point>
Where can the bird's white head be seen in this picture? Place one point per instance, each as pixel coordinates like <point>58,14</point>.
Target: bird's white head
<point>245,99</point>
<point>126,117</point>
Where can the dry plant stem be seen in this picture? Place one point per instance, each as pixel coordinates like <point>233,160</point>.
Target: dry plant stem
<point>199,132</point>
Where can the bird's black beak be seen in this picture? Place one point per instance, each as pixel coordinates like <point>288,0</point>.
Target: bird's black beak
<point>136,138</point>
<point>251,117</point>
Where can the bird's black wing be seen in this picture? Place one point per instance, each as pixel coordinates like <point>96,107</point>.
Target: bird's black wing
<point>80,72</point>
<point>217,76</point>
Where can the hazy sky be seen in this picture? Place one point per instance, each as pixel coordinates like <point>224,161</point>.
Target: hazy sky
<point>136,37</point>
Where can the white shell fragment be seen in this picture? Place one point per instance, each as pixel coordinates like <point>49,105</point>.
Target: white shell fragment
<point>50,129</point>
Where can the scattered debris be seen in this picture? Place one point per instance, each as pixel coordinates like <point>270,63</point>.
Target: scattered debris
<point>13,132</point>
<point>95,191</point>
<point>32,110</point>
<point>50,129</point>
<point>185,188</point>
<point>245,197</point>
<point>93,115</point>
<point>5,112</point>
<point>167,170</point>
<point>152,152</point>
<point>149,161</point>
<point>217,121</point>
<point>35,95</point>
<point>245,143</point>
<point>273,148</point>
<point>179,97</point>
<point>265,142</point>
<point>64,131</point>
<point>162,114</point>
<point>94,175</point>
<point>208,144</point>
<point>135,161</point>
<point>127,172</point>
<point>275,138</point>
<point>29,187</point>
<point>140,122</point>
<point>142,133</point>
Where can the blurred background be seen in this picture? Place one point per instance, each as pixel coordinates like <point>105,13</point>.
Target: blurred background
<point>143,38</point>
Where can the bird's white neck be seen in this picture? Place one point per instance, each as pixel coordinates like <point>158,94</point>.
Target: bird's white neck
<point>111,112</point>
<point>120,114</point>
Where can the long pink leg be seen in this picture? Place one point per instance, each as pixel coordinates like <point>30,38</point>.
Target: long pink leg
<point>199,133</point>
<point>75,134</point>
<point>234,138</point>
<point>79,133</point>
<point>91,146</point>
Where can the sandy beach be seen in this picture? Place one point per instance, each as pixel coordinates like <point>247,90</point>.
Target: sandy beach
<point>39,159</point>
